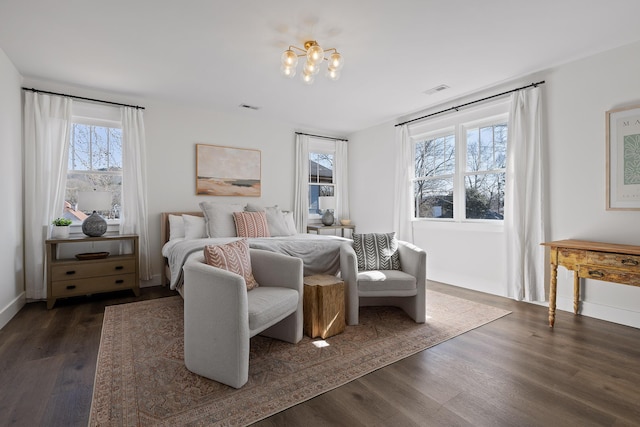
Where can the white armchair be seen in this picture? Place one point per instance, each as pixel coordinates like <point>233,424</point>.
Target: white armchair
<point>220,316</point>
<point>405,288</point>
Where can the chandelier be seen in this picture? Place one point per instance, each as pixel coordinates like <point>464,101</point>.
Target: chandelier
<point>315,56</point>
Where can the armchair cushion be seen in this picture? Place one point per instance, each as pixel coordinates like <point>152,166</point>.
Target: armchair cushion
<point>376,251</point>
<point>267,305</point>
<point>233,257</point>
<point>387,281</point>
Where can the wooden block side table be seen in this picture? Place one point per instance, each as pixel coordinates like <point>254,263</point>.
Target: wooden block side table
<point>323,306</point>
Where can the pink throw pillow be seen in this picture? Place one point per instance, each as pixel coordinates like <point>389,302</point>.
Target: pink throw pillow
<point>233,257</point>
<point>251,224</point>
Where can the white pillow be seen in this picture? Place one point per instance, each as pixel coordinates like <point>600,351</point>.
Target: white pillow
<point>194,227</point>
<point>275,219</point>
<point>290,223</point>
<point>176,227</point>
<point>219,218</point>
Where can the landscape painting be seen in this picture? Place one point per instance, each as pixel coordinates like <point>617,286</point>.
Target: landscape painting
<point>227,171</point>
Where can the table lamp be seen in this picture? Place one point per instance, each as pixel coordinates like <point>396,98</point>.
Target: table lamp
<point>328,204</point>
<point>94,225</point>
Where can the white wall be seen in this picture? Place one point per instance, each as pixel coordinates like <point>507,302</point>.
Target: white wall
<point>576,97</point>
<point>12,296</point>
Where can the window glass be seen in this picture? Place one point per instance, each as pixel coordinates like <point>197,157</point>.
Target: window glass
<point>95,164</point>
<point>321,179</point>
<point>459,166</point>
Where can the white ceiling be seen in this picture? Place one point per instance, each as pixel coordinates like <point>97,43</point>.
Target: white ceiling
<point>220,54</point>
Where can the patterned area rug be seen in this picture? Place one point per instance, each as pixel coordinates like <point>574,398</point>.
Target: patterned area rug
<point>141,379</point>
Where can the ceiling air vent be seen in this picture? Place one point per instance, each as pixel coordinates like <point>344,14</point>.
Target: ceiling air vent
<point>249,107</point>
<point>436,89</point>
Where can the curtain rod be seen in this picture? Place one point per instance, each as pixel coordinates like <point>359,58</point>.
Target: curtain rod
<point>83,98</point>
<point>472,102</point>
<point>321,136</point>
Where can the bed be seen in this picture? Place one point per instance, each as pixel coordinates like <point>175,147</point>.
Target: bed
<point>320,253</point>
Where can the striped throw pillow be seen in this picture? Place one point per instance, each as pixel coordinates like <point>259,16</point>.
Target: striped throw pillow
<point>251,224</point>
<point>233,257</point>
<point>376,251</point>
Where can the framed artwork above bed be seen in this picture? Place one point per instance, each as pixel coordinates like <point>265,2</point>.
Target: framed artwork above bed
<point>227,171</point>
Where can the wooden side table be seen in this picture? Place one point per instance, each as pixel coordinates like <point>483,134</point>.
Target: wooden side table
<point>323,306</point>
<point>318,228</point>
<point>67,277</point>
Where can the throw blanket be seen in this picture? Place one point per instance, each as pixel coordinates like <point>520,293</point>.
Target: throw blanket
<point>320,254</point>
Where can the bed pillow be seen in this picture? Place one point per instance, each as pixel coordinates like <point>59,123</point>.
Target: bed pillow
<point>233,257</point>
<point>176,227</point>
<point>290,223</point>
<point>275,219</point>
<point>219,218</point>
<point>376,251</point>
<point>194,227</point>
<point>251,224</point>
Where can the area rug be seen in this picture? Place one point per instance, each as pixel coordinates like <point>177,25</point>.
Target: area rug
<point>141,379</point>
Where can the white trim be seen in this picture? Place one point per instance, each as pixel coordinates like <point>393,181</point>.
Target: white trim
<point>11,309</point>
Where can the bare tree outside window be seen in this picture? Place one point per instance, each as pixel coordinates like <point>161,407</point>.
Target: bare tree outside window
<point>483,172</point>
<point>434,170</point>
<point>95,163</point>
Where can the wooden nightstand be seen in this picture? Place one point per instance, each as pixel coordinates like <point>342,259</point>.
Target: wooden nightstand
<point>318,228</point>
<point>67,277</point>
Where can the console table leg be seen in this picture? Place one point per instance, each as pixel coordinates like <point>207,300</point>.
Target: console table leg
<point>576,292</point>
<point>552,294</point>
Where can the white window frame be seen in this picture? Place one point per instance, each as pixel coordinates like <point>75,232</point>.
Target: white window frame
<point>96,115</point>
<point>321,146</point>
<point>492,114</point>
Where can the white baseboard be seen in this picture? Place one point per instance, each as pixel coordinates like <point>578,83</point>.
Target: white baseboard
<point>12,309</point>
<point>602,312</point>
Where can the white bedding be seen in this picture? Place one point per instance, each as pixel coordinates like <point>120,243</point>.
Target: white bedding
<point>320,254</point>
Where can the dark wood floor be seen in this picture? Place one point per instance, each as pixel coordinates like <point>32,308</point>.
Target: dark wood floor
<point>512,372</point>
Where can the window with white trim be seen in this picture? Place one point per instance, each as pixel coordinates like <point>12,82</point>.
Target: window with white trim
<point>321,174</point>
<point>95,160</point>
<point>459,167</point>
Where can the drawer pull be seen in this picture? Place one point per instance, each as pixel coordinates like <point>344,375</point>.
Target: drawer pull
<point>69,287</point>
<point>119,267</point>
<point>70,272</point>
<point>119,281</point>
<point>629,262</point>
<point>596,273</point>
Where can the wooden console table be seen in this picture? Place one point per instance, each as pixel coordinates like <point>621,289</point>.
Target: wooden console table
<point>67,277</point>
<point>318,228</point>
<point>591,260</point>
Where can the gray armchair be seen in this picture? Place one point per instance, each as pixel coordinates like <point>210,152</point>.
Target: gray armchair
<point>220,316</point>
<point>405,288</point>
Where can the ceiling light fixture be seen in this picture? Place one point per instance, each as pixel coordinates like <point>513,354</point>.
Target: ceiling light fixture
<point>315,55</point>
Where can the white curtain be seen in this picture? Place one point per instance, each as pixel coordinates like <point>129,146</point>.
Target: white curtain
<point>133,216</point>
<point>403,196</point>
<point>47,126</point>
<point>301,195</point>
<point>524,221</point>
<point>342,180</point>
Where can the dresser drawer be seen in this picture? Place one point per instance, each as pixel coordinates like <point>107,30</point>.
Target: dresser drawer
<point>82,269</point>
<point>71,287</point>
<point>628,262</point>
<point>609,274</point>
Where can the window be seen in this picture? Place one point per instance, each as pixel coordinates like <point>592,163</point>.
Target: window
<point>94,164</point>
<point>321,182</point>
<point>459,169</point>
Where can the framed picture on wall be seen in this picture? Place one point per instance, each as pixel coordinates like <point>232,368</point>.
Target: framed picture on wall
<point>227,171</point>
<point>623,158</point>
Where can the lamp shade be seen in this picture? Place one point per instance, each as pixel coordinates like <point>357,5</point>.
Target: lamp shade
<point>326,202</point>
<point>89,201</point>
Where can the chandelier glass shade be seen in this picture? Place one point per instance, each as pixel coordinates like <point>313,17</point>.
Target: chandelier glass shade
<point>314,57</point>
